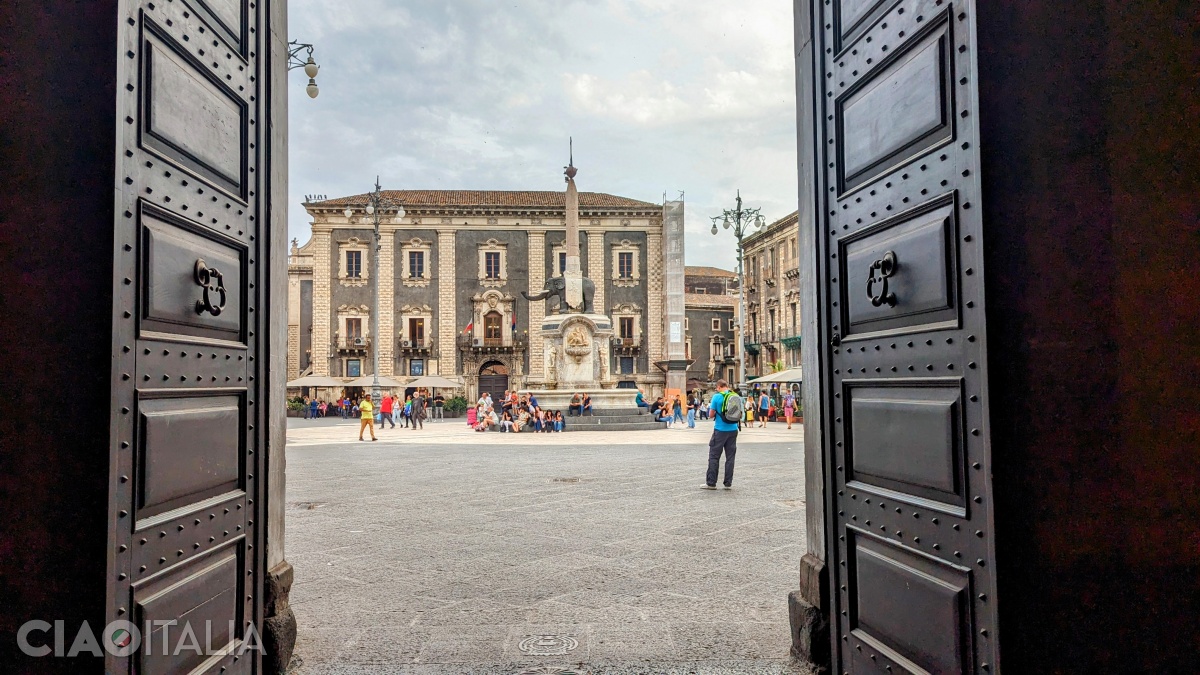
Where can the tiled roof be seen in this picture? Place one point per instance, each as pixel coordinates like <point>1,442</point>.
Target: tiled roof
<point>497,198</point>
<point>701,271</point>
<point>710,300</point>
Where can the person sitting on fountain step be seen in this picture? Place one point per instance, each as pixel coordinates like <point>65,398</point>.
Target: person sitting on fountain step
<point>559,425</point>
<point>506,422</point>
<point>587,405</point>
<point>575,409</point>
<point>641,400</point>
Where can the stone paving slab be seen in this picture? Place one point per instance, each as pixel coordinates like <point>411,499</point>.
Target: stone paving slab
<point>442,551</point>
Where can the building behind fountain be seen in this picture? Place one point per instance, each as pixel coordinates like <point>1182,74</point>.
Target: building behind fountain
<point>452,274</point>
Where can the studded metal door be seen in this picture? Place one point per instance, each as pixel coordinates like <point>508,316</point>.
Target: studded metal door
<point>908,490</point>
<point>187,471</point>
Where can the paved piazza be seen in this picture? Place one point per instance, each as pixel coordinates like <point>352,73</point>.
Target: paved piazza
<point>445,551</point>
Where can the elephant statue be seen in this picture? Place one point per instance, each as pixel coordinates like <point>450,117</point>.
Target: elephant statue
<point>557,287</point>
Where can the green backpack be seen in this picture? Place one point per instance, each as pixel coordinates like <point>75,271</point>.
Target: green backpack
<point>732,408</point>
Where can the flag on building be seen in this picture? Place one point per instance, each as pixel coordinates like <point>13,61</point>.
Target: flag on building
<point>469,327</point>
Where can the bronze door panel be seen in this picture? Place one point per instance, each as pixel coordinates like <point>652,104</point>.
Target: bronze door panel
<point>175,300</point>
<point>899,110</point>
<point>189,449</point>
<point>190,116</point>
<point>923,286</point>
<point>227,18</point>
<point>889,583</point>
<point>906,438</point>
<point>205,593</point>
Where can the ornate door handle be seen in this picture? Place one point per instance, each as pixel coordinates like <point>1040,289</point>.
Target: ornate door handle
<point>886,266</point>
<point>210,279</point>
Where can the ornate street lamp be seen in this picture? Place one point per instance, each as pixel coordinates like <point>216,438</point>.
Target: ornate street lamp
<point>376,209</point>
<point>741,220</point>
<point>310,67</point>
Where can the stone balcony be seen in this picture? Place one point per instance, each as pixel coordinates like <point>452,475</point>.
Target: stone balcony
<point>483,345</point>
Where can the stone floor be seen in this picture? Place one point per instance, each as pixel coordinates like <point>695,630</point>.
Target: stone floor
<point>447,551</point>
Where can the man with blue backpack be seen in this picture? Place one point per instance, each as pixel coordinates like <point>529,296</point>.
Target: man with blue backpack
<point>727,409</point>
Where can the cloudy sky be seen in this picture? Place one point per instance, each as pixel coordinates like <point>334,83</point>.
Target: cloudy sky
<point>662,96</point>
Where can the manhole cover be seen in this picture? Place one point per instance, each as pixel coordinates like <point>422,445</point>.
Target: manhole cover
<point>543,670</point>
<point>306,506</point>
<point>548,645</point>
<point>790,503</point>
<point>573,479</point>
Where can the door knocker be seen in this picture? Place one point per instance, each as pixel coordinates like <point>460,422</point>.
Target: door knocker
<point>213,283</point>
<point>887,267</point>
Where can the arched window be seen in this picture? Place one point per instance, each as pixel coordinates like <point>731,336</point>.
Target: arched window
<point>493,329</point>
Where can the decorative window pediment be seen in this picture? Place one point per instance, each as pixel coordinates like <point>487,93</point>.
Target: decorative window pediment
<point>415,260</point>
<point>626,263</point>
<point>493,263</point>
<point>353,264</point>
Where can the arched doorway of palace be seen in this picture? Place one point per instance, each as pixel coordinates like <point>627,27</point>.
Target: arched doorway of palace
<point>493,378</point>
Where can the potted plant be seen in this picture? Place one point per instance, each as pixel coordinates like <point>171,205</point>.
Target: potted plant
<point>454,406</point>
<point>295,407</point>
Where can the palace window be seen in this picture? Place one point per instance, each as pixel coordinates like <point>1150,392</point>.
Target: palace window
<point>626,365</point>
<point>353,328</point>
<point>626,269</point>
<point>352,259</point>
<point>716,324</point>
<point>626,323</point>
<point>416,264</point>
<point>625,265</point>
<point>416,330</point>
<point>562,262</point>
<point>493,266</point>
<point>493,331</point>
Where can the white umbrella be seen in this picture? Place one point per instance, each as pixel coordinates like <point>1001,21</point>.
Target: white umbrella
<point>369,380</point>
<point>317,381</point>
<point>434,382</point>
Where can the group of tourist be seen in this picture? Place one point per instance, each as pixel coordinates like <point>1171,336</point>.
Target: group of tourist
<point>681,409</point>
<point>412,410</point>
<point>517,413</point>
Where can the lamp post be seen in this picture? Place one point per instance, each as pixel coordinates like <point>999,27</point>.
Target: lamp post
<point>741,220</point>
<point>310,67</point>
<point>377,206</point>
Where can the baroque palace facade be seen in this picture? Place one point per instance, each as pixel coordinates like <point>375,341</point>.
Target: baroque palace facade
<point>451,277</point>
<point>772,296</point>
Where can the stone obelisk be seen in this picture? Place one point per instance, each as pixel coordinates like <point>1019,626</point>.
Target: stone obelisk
<point>573,273</point>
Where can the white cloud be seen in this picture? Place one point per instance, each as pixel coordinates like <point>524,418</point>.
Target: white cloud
<point>660,95</point>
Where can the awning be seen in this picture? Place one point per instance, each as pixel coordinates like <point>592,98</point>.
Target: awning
<point>789,375</point>
<point>434,382</point>
<point>369,381</point>
<point>317,381</point>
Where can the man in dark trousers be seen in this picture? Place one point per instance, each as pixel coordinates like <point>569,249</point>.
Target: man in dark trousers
<point>724,438</point>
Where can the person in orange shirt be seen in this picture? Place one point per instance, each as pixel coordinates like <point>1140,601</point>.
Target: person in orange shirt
<point>385,412</point>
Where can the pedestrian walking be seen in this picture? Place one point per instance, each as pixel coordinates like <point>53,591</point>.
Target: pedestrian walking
<point>726,408</point>
<point>789,407</point>
<point>367,410</point>
<point>385,412</point>
<point>677,410</point>
<point>314,408</point>
<point>693,404</point>
<point>418,410</point>
<point>764,409</point>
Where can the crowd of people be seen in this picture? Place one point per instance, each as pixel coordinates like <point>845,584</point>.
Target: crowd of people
<point>520,412</point>
<point>681,410</point>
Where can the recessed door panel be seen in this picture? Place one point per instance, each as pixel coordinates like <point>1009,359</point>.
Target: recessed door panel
<point>192,283</point>
<point>199,599</point>
<point>190,448</point>
<point>917,288</point>
<point>906,437</point>
<point>191,118</point>
<point>900,110</point>
<point>890,587</point>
